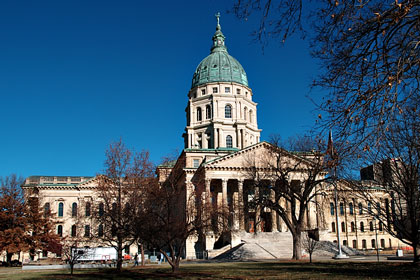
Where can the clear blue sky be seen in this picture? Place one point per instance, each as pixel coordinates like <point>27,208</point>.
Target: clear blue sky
<point>76,75</point>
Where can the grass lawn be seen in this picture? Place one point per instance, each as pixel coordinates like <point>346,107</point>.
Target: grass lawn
<point>236,270</point>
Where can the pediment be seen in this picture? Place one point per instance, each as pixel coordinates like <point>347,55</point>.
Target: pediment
<point>261,155</point>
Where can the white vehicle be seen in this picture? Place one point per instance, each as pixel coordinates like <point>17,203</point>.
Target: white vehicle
<point>96,254</point>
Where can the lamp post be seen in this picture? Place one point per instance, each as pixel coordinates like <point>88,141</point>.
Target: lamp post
<point>376,239</point>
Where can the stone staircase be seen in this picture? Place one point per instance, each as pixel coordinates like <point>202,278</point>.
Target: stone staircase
<point>262,245</point>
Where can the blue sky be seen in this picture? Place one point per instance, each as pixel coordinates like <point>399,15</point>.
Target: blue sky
<point>76,75</point>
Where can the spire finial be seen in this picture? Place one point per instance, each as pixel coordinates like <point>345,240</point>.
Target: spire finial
<point>217,15</point>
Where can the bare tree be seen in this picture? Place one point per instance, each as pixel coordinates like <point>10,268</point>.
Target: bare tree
<point>173,212</point>
<point>395,170</point>
<point>288,183</point>
<point>120,194</point>
<point>310,245</point>
<point>370,57</point>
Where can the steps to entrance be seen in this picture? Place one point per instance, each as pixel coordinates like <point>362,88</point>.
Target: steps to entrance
<point>261,245</point>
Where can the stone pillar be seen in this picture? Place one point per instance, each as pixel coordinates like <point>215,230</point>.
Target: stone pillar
<point>208,192</point>
<point>257,212</point>
<point>224,193</point>
<point>241,205</point>
<point>273,213</point>
<point>216,138</point>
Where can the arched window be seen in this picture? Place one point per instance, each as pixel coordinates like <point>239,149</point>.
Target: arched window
<point>87,210</point>
<point>351,208</point>
<point>362,227</point>
<point>87,230</point>
<point>352,226</point>
<point>341,208</point>
<point>228,141</point>
<point>199,115</point>
<point>360,209</point>
<point>371,226</point>
<point>364,244</point>
<point>380,226</point>
<point>101,230</point>
<point>373,243</point>
<point>343,227</point>
<point>60,230</point>
<point>245,113</point>
<point>73,231</point>
<point>333,227</point>
<point>332,208</point>
<point>60,209</point>
<point>74,209</point>
<point>251,116</point>
<point>208,112</point>
<point>354,244</point>
<point>101,209</point>
<point>370,208</point>
<point>46,209</point>
<point>228,111</point>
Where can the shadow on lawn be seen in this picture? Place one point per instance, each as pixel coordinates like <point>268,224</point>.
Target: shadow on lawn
<point>359,269</point>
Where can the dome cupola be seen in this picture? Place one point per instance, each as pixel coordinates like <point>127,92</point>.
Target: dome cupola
<point>219,66</point>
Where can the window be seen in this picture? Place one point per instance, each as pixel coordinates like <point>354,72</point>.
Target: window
<point>87,210</point>
<point>196,163</point>
<point>60,209</point>
<point>101,230</point>
<point>380,226</point>
<point>382,243</point>
<point>351,208</point>
<point>378,207</point>
<point>373,243</point>
<point>354,244</point>
<point>228,111</point>
<point>370,208</point>
<point>371,226</point>
<point>238,91</point>
<point>362,227</point>
<point>208,112</point>
<point>215,90</point>
<point>46,209</point>
<point>332,208</point>
<point>60,230</point>
<point>344,242</point>
<point>74,209</point>
<point>228,141</point>
<point>341,208</point>
<point>101,209</point>
<point>203,92</point>
<point>44,253</point>
<point>245,113</point>
<point>360,209</point>
<point>87,230</point>
<point>343,227</point>
<point>352,226</point>
<point>364,244</point>
<point>199,115</point>
<point>333,227</point>
<point>251,116</point>
<point>227,89</point>
<point>73,231</point>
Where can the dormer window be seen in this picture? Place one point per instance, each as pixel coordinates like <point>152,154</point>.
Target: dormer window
<point>238,91</point>
<point>215,90</point>
<point>227,89</point>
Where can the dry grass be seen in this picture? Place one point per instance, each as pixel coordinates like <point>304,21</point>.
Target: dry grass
<point>236,270</point>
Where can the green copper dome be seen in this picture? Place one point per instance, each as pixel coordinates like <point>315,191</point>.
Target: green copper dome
<point>219,66</point>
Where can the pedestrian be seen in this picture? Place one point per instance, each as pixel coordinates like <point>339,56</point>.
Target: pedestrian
<point>136,259</point>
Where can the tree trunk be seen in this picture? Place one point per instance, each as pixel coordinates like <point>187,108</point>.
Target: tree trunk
<point>416,259</point>
<point>9,258</point>
<point>297,246</point>
<point>310,257</point>
<point>119,257</point>
<point>71,267</point>
<point>142,254</point>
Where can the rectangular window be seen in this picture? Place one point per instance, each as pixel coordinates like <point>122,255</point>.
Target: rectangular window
<point>215,90</point>
<point>196,163</point>
<point>203,92</point>
<point>341,208</point>
<point>238,91</point>
<point>87,230</point>
<point>227,89</point>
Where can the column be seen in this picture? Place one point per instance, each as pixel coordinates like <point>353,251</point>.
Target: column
<point>208,192</point>
<point>224,194</point>
<point>257,212</point>
<point>241,205</point>
<point>273,212</point>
